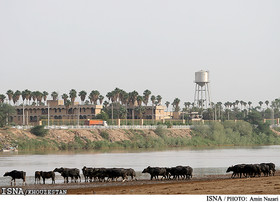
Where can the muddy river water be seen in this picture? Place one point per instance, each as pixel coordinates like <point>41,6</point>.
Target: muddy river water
<point>205,161</point>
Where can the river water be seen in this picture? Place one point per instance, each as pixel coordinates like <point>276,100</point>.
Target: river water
<point>205,161</point>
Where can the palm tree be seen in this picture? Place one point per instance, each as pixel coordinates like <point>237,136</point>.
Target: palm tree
<point>27,95</point>
<point>64,97</point>
<point>117,93</point>
<point>105,103</point>
<point>175,104</point>
<point>33,96</point>
<point>45,95</point>
<point>23,95</point>
<point>260,103</point>
<point>139,100</point>
<point>10,94</point>
<point>146,96</point>
<point>159,98</point>
<point>153,99</point>
<point>140,110</point>
<point>39,97</point>
<point>167,104</point>
<point>90,97</point>
<point>186,106</point>
<point>83,95</point>
<point>237,102</point>
<point>249,103</point>
<point>54,95</point>
<point>267,103</point>
<point>133,98</point>
<point>2,98</point>
<point>245,104</point>
<point>123,95</point>
<point>245,108</point>
<point>109,95</point>
<point>73,95</point>
<point>93,96</point>
<point>16,96</point>
<point>219,104</point>
<point>242,104</point>
<point>125,101</point>
<point>100,98</point>
<point>67,103</point>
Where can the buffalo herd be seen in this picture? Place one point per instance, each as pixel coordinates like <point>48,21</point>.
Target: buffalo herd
<point>252,170</point>
<point>183,172</point>
<point>108,174</point>
<point>158,173</point>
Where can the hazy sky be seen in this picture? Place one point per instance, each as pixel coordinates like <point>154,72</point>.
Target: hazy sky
<point>57,45</point>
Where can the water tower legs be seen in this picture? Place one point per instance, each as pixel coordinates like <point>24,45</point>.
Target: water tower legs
<point>202,97</point>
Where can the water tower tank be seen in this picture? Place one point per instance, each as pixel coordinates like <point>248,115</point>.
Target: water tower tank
<point>201,77</point>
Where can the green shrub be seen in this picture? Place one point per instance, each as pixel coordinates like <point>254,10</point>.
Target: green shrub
<point>105,135</point>
<point>161,131</point>
<point>39,131</point>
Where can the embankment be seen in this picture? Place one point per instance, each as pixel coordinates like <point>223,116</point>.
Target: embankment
<point>238,133</point>
<point>76,139</point>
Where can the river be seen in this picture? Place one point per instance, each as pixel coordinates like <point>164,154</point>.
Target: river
<point>205,161</point>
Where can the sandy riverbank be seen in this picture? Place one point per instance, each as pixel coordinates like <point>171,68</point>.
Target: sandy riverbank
<point>212,185</point>
<point>215,184</point>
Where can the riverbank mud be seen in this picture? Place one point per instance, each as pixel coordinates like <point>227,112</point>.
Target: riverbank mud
<point>214,184</point>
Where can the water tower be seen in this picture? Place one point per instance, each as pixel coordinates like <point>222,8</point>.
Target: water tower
<point>202,98</point>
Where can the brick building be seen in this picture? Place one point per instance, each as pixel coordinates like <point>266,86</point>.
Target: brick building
<point>58,111</point>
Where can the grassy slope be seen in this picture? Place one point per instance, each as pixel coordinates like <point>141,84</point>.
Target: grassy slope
<point>228,133</point>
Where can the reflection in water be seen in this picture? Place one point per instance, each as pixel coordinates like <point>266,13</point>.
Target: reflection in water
<point>205,161</point>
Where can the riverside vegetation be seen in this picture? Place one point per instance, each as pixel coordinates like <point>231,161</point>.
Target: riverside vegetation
<point>239,133</point>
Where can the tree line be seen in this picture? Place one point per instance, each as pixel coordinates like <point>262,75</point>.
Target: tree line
<point>118,100</point>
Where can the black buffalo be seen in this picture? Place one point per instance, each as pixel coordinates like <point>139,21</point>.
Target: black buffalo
<point>47,175</point>
<point>16,175</point>
<point>88,173</point>
<point>155,172</point>
<point>265,169</point>
<point>237,170</point>
<point>37,177</point>
<point>115,173</point>
<point>271,168</point>
<point>252,170</point>
<point>131,173</point>
<point>183,172</point>
<point>73,173</point>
